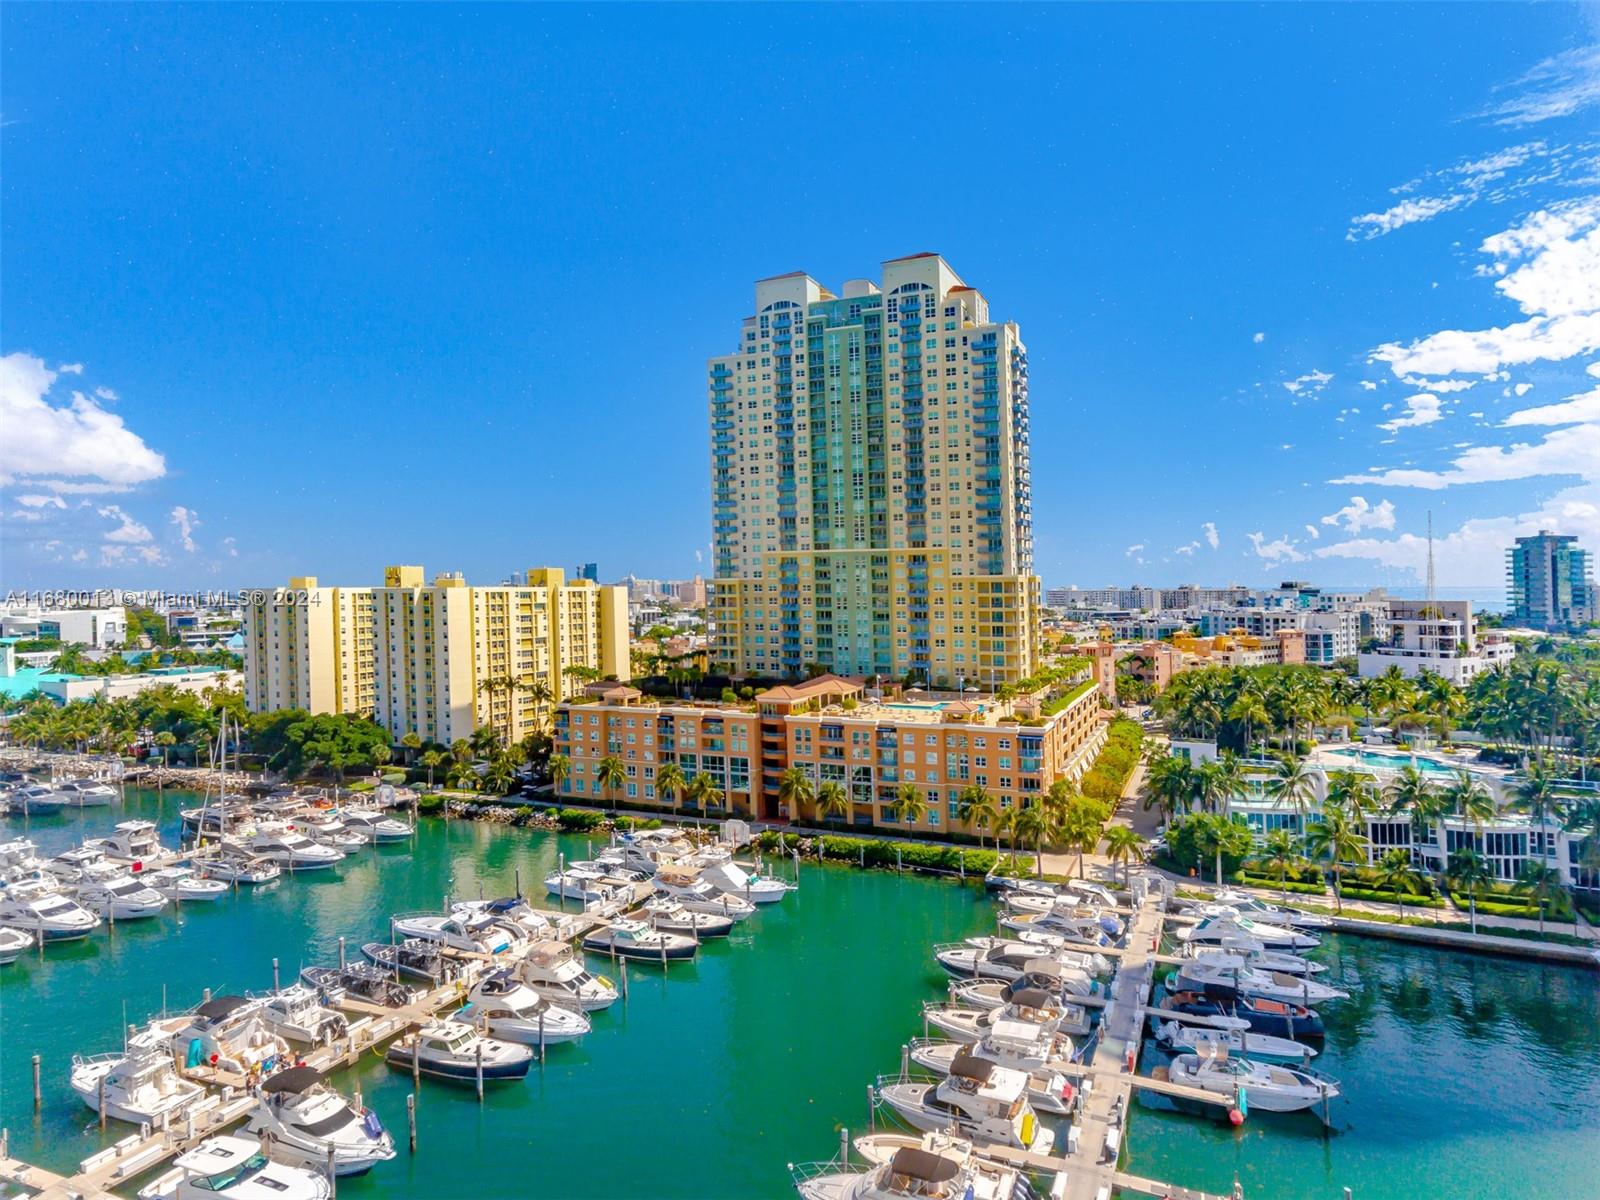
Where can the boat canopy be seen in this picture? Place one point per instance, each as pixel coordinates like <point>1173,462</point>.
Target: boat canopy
<point>916,1163</point>
<point>219,1007</point>
<point>295,1079</point>
<point>1030,997</point>
<point>967,1065</point>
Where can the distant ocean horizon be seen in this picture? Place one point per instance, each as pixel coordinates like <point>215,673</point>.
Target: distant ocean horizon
<point>1484,599</point>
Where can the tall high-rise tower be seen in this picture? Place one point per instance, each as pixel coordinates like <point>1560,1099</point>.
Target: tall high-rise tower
<point>1551,582</point>
<point>870,482</point>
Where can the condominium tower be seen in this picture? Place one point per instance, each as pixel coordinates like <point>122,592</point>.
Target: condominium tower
<point>870,483</point>
<point>1551,582</point>
<point>308,646</point>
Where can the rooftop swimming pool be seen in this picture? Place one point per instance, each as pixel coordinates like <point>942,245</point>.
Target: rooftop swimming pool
<point>931,706</point>
<point>1393,762</point>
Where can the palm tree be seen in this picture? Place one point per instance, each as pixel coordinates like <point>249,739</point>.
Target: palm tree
<point>703,790</point>
<point>909,805</point>
<point>1124,846</point>
<point>670,781</point>
<point>1251,711</point>
<point>166,740</point>
<point>977,809</point>
<point>1280,856</point>
<point>1351,791</point>
<point>795,791</point>
<point>1394,871</point>
<point>1537,793</point>
<point>1080,829</point>
<point>431,759</point>
<point>1469,871</point>
<point>1294,788</point>
<point>1168,785</point>
<point>412,743</point>
<point>611,775</point>
<point>1033,825</point>
<point>1337,836</point>
<point>500,776</point>
<point>559,766</point>
<point>1540,884</point>
<point>1469,799</point>
<point>832,800</point>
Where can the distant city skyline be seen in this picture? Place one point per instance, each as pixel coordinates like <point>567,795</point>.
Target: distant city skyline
<point>460,313</point>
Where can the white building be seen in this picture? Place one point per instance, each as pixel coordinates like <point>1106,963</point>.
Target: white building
<point>101,628</point>
<point>1438,636</point>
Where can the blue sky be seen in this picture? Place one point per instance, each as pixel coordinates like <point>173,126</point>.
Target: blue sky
<point>309,289</point>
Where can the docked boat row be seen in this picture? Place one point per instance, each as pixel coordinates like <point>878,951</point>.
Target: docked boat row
<point>39,799</point>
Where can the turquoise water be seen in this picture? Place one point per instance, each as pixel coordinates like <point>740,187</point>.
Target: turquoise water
<point>1392,762</point>
<point>930,706</point>
<point>1474,1076</point>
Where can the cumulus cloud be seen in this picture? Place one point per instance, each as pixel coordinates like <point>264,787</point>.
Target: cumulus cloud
<point>1583,407</point>
<point>1421,409</point>
<point>1310,383</point>
<point>186,520</point>
<point>1359,515</point>
<point>1187,549</point>
<point>70,369</point>
<point>65,447</point>
<point>1559,86</point>
<point>1436,385</point>
<point>1279,550</point>
<point>1571,451</point>
<point>1259,338</point>
<point>230,548</point>
<point>127,530</point>
<point>41,501</point>
<point>1209,528</point>
<point>1312,532</point>
<point>1136,548</point>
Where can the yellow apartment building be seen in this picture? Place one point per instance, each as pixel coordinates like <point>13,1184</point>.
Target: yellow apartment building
<point>308,646</point>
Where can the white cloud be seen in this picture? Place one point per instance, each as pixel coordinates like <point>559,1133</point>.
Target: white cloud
<point>79,443</point>
<point>41,501</point>
<point>1438,385</point>
<point>80,555</point>
<point>1210,531</point>
<point>1312,532</point>
<point>233,550</point>
<point>1368,386</point>
<point>1522,389</point>
<point>1481,351</point>
<point>1280,550</point>
<point>186,520</point>
<point>1421,409</point>
<point>1311,383</point>
<point>1259,338</point>
<point>70,369</point>
<point>106,393</point>
<point>1188,549</point>
<point>1583,407</point>
<point>1557,87</point>
<point>1571,451</point>
<point>1593,369</point>
<point>1359,515</point>
<point>128,530</point>
<point>1407,212</point>
<point>1136,548</point>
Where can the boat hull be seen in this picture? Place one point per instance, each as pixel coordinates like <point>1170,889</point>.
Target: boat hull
<point>460,1072</point>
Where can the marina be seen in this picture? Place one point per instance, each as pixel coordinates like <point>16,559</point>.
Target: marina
<point>821,991</point>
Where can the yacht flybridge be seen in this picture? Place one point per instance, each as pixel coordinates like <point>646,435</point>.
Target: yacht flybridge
<point>977,1099</point>
<point>303,1120</point>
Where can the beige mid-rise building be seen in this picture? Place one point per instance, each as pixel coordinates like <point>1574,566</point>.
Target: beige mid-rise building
<point>308,646</point>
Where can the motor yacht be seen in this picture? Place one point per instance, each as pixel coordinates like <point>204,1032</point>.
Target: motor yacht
<point>132,842</point>
<point>978,1099</point>
<point>1053,945</point>
<point>217,818</point>
<point>668,916</point>
<point>301,1120</point>
<point>513,911</point>
<point>1218,968</point>
<point>718,868</point>
<point>1007,960</point>
<point>1078,929</point>
<point>86,793</point>
<point>235,1169</point>
<point>19,859</point>
<point>1030,1006</point>
<point>556,972</point>
<point>644,852</point>
<point>297,1014</point>
<point>235,866</point>
<point>689,887</point>
<point>360,980</point>
<point>1059,982</point>
<point>229,1033</point>
<point>372,826</point>
<point>1258,909</point>
<point>13,942</point>
<point>1179,1037</point>
<point>37,799</point>
<point>1013,1044</point>
<point>141,1085</point>
<point>636,940</point>
<point>1214,930</point>
<point>69,866</point>
<point>415,958</point>
<point>39,907</point>
<point>112,892</point>
<point>586,883</point>
<point>1028,903</point>
<point>1263,1086</point>
<point>290,849</point>
<point>501,1005</point>
<point>454,1051</point>
<point>182,884</point>
<point>911,1172</point>
<point>1259,1013</point>
<point>473,935</point>
<point>1257,956</point>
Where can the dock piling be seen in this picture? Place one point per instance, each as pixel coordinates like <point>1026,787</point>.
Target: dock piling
<point>479,1068</point>
<point>275,974</point>
<point>333,1176</point>
<point>416,1067</point>
<point>624,981</point>
<point>411,1121</point>
<point>844,1147</point>
<point>341,949</point>
<point>38,1094</point>
<point>872,1112</point>
<point>541,1037</point>
<point>102,1099</point>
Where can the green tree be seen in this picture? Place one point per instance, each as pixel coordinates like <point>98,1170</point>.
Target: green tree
<point>978,810</point>
<point>1339,837</point>
<point>1294,788</point>
<point>1033,826</point>
<point>1469,872</point>
<point>1279,855</point>
<point>1394,871</point>
<point>670,781</point>
<point>559,766</point>
<point>909,805</point>
<point>1168,785</point>
<point>430,759</point>
<point>703,790</point>
<point>795,791</point>
<point>832,800</point>
<point>612,776</point>
<point>1539,884</point>
<point>1124,846</point>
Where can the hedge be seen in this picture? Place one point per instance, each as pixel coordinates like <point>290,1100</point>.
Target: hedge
<point>1250,879</point>
<point>576,820</point>
<point>1114,763</point>
<point>877,852</point>
<point>1387,897</point>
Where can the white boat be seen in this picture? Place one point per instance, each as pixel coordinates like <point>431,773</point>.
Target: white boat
<point>689,887</point>
<point>1181,1037</point>
<point>1215,930</point>
<point>19,858</point>
<point>235,866</point>
<point>513,911</point>
<point>142,1085</point>
<point>69,866</point>
<point>1219,969</point>
<point>296,1014</point>
<point>288,848</point>
<point>372,826</point>
<point>132,842</point>
<point>229,1033</point>
<point>86,793</point>
<point>718,868</point>
<point>585,883</point>
<point>413,958</point>
<point>1030,1007</point>
<point>1007,959</point>
<point>634,939</point>
<point>217,818</point>
<point>12,944</point>
<point>182,884</point>
<point>453,1050</point>
<point>501,1005</point>
<point>1048,1091</point>
<point>1055,945</point>
<point>1267,1087</point>
<point>471,935</point>
<point>37,799</point>
<point>1257,956</point>
<point>644,852</point>
<point>37,906</point>
<point>112,892</point>
<point>555,971</point>
<point>1058,982</point>
<point>234,1168</point>
<point>360,981</point>
<point>978,1100</point>
<point>300,1119</point>
<point>668,916</point>
<point>1079,929</point>
<point>1258,909</point>
<point>946,1170</point>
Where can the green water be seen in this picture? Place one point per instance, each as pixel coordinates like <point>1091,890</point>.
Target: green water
<point>1463,1076</point>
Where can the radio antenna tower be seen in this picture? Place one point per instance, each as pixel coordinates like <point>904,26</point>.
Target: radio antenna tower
<point>1431,589</point>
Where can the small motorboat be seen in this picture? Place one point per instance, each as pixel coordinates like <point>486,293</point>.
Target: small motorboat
<point>70,865</point>
<point>453,1050</point>
<point>1264,1086</point>
<point>947,1170</point>
<point>503,1006</point>
<point>513,911</point>
<point>1218,968</point>
<point>1078,928</point>
<point>1059,982</point>
<point>1052,945</point>
<point>1007,960</point>
<point>113,893</point>
<point>1258,909</point>
<point>587,884</point>
<point>37,906</point>
<point>718,868</point>
<point>1030,1006</point>
<point>86,793</point>
<point>301,1119</point>
<point>141,1086</point>
<point>182,884</point>
<point>228,1033</point>
<point>1215,930</point>
<point>132,842</point>
<point>1014,1044</point>
<point>373,826</point>
<point>217,818</point>
<point>636,940</point>
<point>1257,956</point>
<point>1259,1013</point>
<point>289,848</point>
<point>978,1099</point>
<point>689,887</point>
<point>235,1169</point>
<point>13,942</point>
<point>297,1014</point>
<point>36,800</point>
<point>232,866</point>
<point>359,980</point>
<point>556,972</point>
<point>669,916</point>
<point>1179,1037</point>
<point>414,958</point>
<point>469,935</point>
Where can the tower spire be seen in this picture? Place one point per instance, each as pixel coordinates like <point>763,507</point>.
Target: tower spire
<point>1431,589</point>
